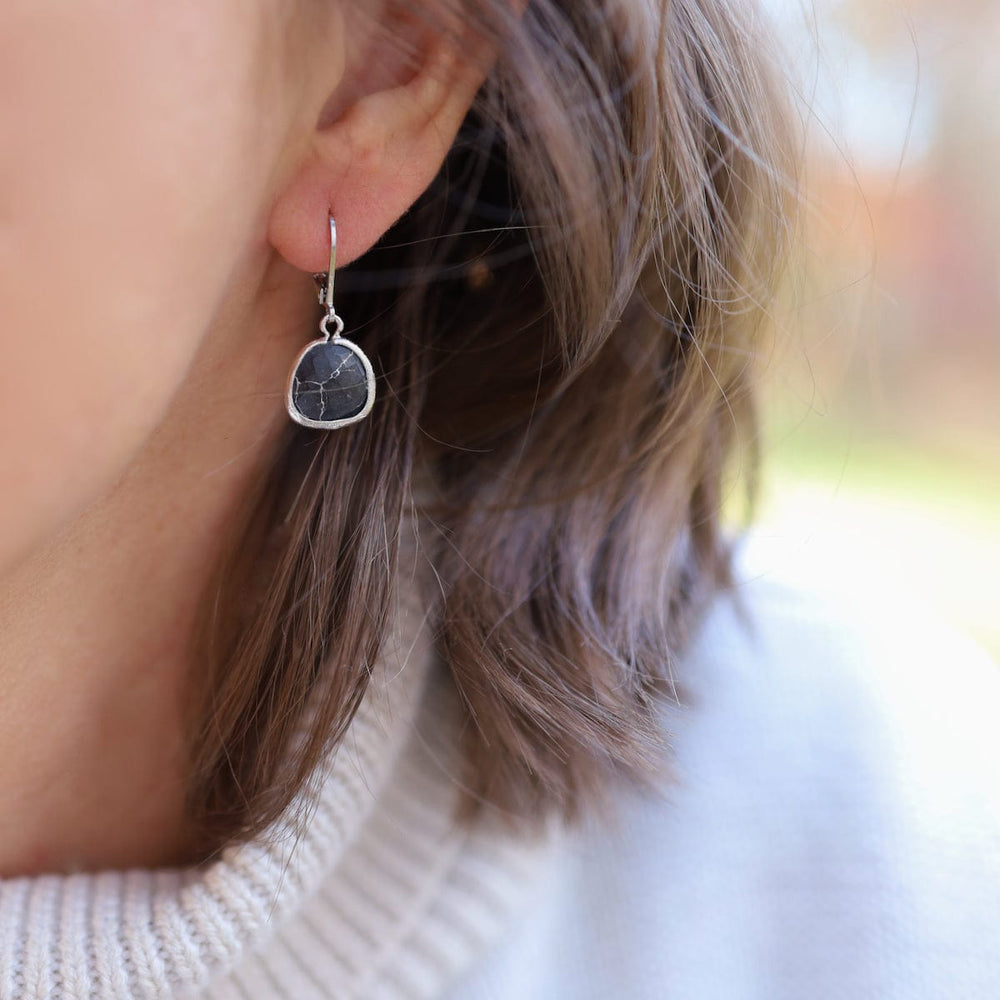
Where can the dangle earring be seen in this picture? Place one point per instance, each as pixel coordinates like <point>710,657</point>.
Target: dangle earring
<point>332,383</point>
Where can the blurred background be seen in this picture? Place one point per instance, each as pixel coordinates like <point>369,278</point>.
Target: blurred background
<point>883,414</point>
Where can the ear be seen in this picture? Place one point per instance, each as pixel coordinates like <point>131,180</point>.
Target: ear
<point>381,137</point>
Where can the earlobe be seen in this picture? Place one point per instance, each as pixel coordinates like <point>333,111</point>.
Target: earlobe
<point>369,165</point>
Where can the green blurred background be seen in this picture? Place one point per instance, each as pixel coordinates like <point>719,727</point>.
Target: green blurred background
<point>883,413</point>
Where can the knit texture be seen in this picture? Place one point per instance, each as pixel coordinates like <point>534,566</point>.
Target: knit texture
<point>831,830</point>
<point>366,889</point>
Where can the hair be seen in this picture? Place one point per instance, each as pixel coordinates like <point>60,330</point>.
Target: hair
<point>565,329</point>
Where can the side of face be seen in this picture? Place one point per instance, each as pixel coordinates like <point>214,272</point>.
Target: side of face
<point>142,143</point>
<point>157,158</point>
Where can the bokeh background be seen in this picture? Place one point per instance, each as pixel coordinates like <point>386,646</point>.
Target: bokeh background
<point>883,412</point>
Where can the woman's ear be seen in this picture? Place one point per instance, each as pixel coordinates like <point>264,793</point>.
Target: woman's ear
<point>381,137</point>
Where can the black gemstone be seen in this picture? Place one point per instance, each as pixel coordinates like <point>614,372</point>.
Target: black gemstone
<point>330,383</point>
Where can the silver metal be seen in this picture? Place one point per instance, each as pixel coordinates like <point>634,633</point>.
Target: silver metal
<point>338,323</point>
<point>325,279</point>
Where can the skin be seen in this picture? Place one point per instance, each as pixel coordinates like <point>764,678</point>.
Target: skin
<point>165,178</point>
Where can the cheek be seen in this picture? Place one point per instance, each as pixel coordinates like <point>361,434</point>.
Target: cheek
<point>137,146</point>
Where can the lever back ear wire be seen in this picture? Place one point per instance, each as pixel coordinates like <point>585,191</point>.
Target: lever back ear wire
<point>331,383</point>
<point>324,279</point>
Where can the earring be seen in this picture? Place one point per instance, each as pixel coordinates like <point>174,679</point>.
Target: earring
<point>332,383</point>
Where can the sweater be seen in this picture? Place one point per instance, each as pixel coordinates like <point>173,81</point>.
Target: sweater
<point>829,827</point>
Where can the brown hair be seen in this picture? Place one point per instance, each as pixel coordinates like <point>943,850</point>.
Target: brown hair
<point>564,327</point>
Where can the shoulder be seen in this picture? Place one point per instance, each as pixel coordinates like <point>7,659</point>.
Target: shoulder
<point>851,650</point>
<point>835,809</point>
<point>831,825</point>
<point>848,714</point>
<point>855,674</point>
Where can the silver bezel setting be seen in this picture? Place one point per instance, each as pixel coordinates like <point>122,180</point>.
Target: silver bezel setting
<point>305,421</point>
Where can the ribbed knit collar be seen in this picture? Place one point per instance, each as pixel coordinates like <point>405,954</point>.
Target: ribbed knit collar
<point>376,894</point>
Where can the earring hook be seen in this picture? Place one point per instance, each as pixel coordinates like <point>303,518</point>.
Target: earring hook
<point>325,281</point>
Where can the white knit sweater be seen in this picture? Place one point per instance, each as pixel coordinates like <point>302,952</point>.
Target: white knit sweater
<point>831,829</point>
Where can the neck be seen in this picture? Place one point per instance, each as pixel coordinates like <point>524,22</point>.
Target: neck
<point>97,627</point>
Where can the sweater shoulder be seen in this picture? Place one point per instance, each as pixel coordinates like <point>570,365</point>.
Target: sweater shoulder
<point>851,686</point>
<point>833,807</point>
<point>806,649</point>
<point>829,825</point>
